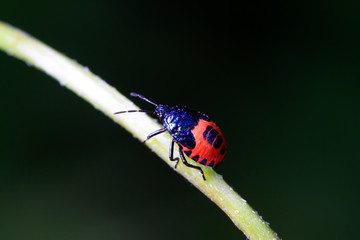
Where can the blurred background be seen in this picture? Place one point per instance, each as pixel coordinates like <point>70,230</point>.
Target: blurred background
<point>281,80</point>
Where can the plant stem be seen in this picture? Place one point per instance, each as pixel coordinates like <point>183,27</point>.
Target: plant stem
<point>106,99</point>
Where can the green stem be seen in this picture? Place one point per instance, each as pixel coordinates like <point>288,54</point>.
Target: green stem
<point>106,99</point>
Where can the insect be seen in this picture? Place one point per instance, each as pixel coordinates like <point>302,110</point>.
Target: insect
<point>197,136</point>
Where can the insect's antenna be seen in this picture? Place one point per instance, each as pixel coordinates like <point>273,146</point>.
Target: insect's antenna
<point>142,97</point>
<point>133,111</point>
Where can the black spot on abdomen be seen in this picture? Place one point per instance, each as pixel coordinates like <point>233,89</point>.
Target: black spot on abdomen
<point>211,164</point>
<point>218,142</point>
<point>195,158</point>
<point>223,150</point>
<point>204,161</point>
<point>206,132</point>
<point>213,133</point>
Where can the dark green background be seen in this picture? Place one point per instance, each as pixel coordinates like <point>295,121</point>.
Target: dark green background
<point>281,79</point>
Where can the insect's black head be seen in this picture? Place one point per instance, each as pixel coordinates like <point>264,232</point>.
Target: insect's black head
<point>162,111</point>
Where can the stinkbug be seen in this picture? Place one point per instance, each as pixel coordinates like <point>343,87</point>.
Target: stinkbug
<point>197,136</point>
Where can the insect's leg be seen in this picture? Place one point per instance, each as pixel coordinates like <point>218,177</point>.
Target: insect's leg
<point>154,134</point>
<point>171,153</point>
<point>189,165</point>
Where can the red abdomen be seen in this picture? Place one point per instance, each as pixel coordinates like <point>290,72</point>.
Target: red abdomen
<point>210,148</point>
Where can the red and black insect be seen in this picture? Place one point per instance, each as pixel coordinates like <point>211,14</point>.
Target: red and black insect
<point>197,136</point>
